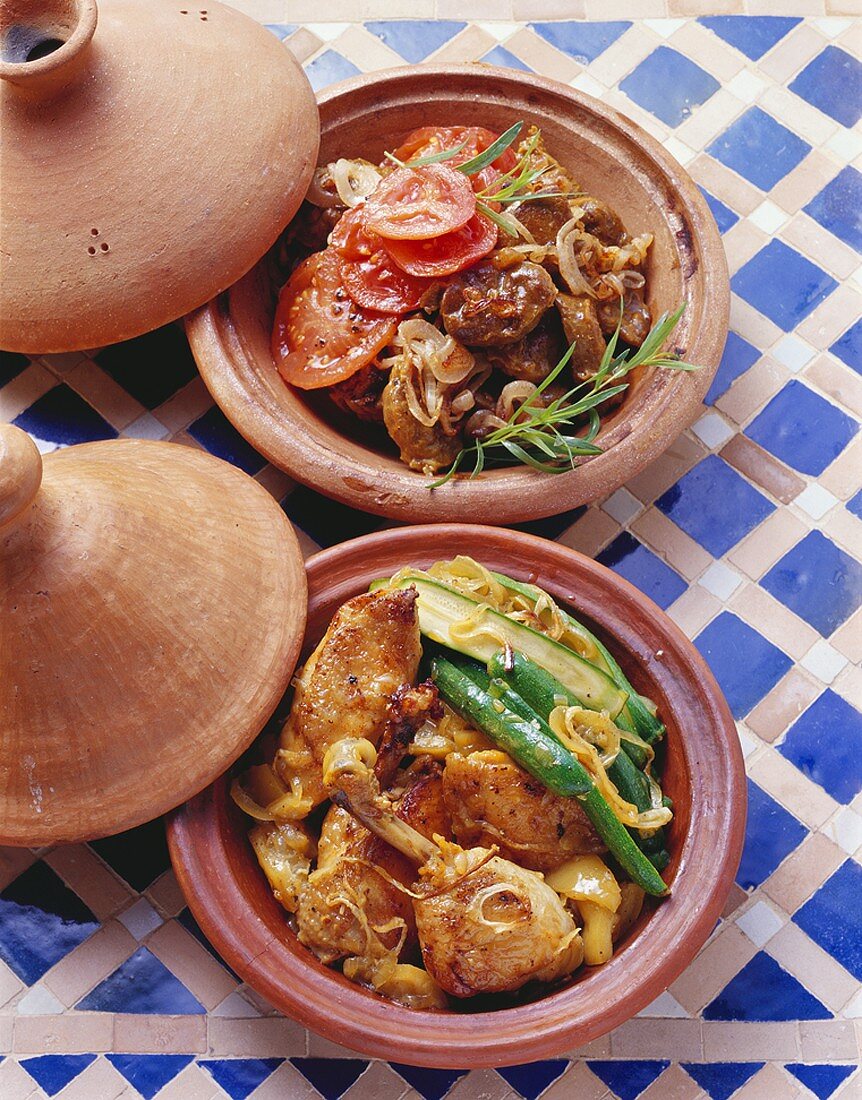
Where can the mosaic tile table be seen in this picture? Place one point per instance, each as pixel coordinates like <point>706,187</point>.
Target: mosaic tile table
<point>744,531</point>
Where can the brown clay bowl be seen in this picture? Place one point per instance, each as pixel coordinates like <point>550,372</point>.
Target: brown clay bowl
<point>612,158</point>
<point>703,773</point>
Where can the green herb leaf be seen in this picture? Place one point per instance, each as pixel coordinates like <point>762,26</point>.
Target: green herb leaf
<point>482,160</point>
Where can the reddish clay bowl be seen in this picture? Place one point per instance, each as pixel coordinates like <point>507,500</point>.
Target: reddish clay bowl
<point>704,775</point>
<point>612,158</point>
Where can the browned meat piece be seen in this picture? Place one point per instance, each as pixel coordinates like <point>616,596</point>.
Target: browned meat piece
<point>423,805</point>
<point>423,448</point>
<point>544,217</point>
<point>361,395</point>
<point>370,649</point>
<point>486,307</point>
<point>312,225</point>
<point>346,907</point>
<point>581,327</point>
<point>408,709</point>
<point>535,355</point>
<point>603,222</point>
<point>493,801</point>
<point>636,317</point>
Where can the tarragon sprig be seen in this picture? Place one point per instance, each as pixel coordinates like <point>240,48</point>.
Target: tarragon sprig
<point>534,436</point>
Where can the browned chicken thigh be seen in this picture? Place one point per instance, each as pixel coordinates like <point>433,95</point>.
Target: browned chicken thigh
<point>493,801</point>
<point>370,649</point>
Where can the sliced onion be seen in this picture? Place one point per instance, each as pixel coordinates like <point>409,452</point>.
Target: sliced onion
<point>482,423</point>
<point>569,269</point>
<point>462,403</point>
<point>514,227</point>
<point>354,180</point>
<point>513,394</point>
<point>319,194</point>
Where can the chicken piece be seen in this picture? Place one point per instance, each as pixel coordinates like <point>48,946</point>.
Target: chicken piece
<point>636,317</point>
<point>361,395</point>
<point>581,327</point>
<point>370,649</point>
<point>284,851</point>
<point>409,708</point>
<point>486,306</point>
<point>544,218</point>
<point>493,801</point>
<point>423,448</point>
<point>602,221</point>
<point>535,355</point>
<point>485,925</point>
<point>423,805</point>
<point>348,908</point>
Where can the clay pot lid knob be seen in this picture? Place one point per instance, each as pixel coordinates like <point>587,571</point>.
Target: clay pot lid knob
<point>44,42</point>
<point>20,472</point>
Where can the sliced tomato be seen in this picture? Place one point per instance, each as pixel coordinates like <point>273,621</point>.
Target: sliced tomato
<point>419,203</point>
<point>447,254</point>
<point>320,336</point>
<point>370,276</point>
<point>433,139</point>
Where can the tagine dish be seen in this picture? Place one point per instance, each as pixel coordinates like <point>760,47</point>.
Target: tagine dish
<point>465,799</point>
<point>467,297</point>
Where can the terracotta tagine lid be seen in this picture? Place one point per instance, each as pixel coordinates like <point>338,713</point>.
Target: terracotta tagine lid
<point>151,152</point>
<point>152,607</point>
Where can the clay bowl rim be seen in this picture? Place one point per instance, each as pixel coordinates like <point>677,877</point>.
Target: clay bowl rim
<point>357,475</point>
<point>205,845</point>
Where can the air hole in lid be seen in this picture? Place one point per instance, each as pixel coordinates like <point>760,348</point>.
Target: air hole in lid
<point>92,250</point>
<point>94,231</point>
<point>104,246</point>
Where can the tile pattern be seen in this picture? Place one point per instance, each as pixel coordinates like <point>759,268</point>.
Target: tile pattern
<point>747,531</point>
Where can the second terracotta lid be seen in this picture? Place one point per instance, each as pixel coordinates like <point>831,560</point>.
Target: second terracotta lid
<point>152,608</point>
<point>151,152</point>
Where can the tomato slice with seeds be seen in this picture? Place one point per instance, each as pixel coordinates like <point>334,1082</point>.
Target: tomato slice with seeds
<point>447,254</point>
<point>368,272</point>
<point>320,336</point>
<point>418,203</point>
<point>433,139</point>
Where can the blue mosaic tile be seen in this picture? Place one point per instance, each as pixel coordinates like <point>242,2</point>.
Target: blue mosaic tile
<point>751,35</point>
<point>819,581</point>
<point>431,1084</point>
<point>838,207</point>
<point>282,30</point>
<point>644,569</point>
<point>822,1080</point>
<point>764,992</point>
<point>151,367</point>
<point>825,743</point>
<point>240,1076</point>
<point>501,56</point>
<point>215,432</point>
<point>41,921</point>
<point>715,505</point>
<point>11,365</point>
<point>53,1072</point>
<point>833,917</point>
<point>802,428</point>
<point>62,416</point>
<point>848,347</point>
<point>832,82</point>
<point>743,662</point>
<point>415,39</point>
<point>328,68</point>
<point>759,148</point>
<point>738,357</point>
<point>771,834</point>
<point>669,85</point>
<point>720,1080</point>
<point>582,41</point>
<point>628,1079</point>
<point>142,985</point>
<point>782,284</point>
<point>531,1080</point>
<point>138,855</point>
<point>324,520</point>
<point>149,1073</point>
<point>854,505</point>
<point>725,218</point>
<point>330,1076</point>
